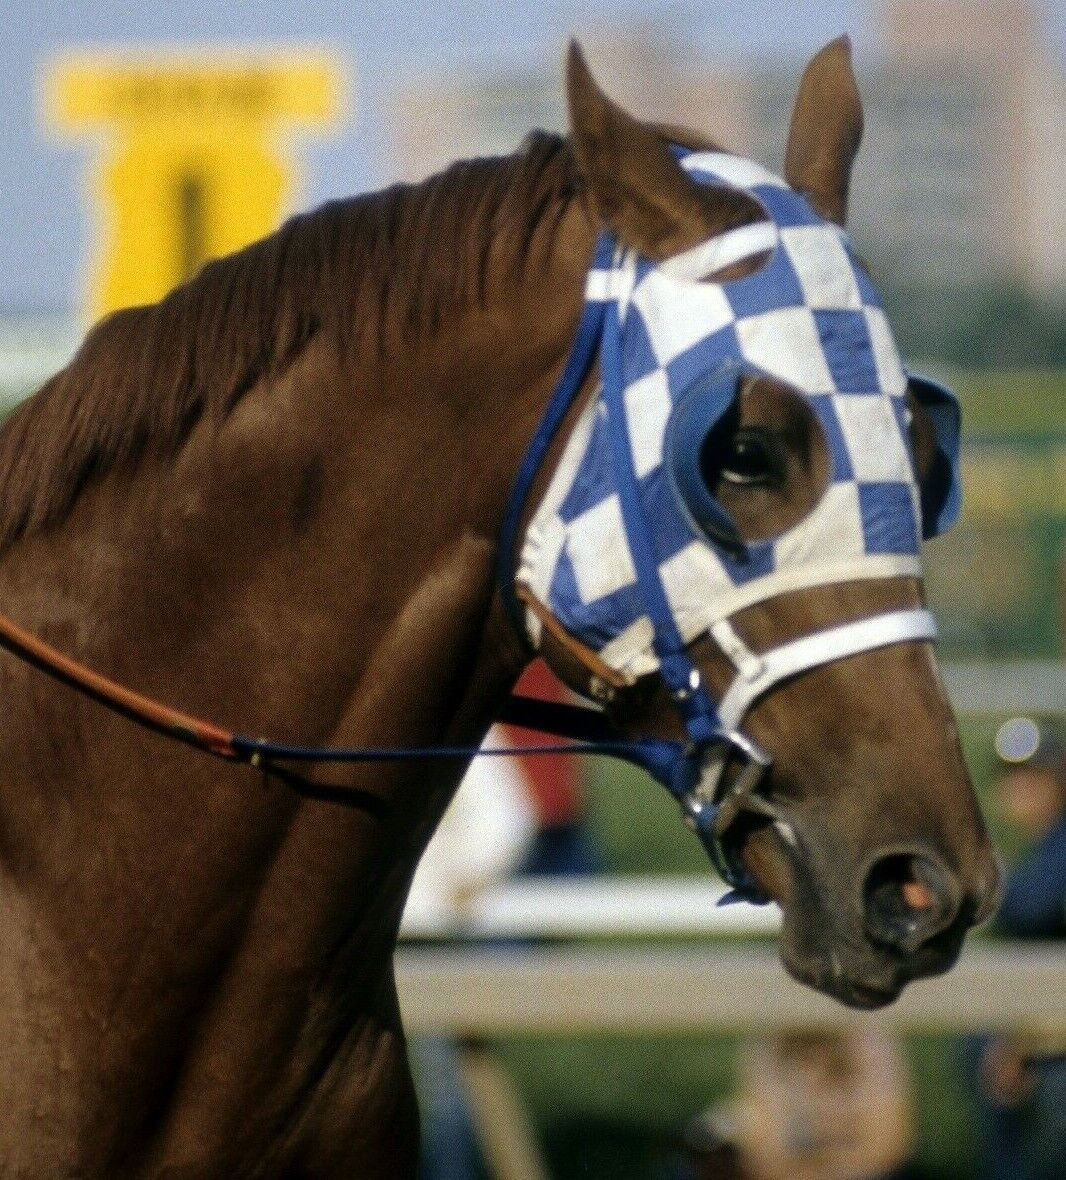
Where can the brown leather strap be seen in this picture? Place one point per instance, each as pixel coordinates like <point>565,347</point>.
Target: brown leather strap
<point>585,656</point>
<point>191,730</point>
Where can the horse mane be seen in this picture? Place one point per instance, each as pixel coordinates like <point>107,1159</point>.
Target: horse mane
<point>400,260</point>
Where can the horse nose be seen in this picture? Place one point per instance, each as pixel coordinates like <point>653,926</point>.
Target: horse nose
<point>909,897</point>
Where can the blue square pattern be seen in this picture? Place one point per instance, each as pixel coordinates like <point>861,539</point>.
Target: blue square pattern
<point>642,268</point>
<point>773,287</point>
<point>594,478</point>
<point>822,404</point>
<point>757,562</point>
<point>702,358</point>
<point>597,621</point>
<point>889,524</point>
<point>670,529</point>
<point>870,298</point>
<point>638,354</point>
<point>845,340</point>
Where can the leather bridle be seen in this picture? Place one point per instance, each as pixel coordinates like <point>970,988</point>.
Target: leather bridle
<point>693,771</point>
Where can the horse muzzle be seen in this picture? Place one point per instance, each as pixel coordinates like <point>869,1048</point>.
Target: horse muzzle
<point>862,932</point>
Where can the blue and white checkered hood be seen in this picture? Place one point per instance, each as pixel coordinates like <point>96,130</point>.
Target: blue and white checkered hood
<point>810,318</point>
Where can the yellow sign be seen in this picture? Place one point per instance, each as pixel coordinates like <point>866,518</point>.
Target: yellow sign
<point>191,165</point>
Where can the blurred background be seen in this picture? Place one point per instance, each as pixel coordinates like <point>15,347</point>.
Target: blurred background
<point>138,140</point>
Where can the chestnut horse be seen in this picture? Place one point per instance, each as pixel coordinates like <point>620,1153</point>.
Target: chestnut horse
<point>275,498</point>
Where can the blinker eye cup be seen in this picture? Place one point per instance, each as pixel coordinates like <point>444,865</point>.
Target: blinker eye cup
<point>941,491</point>
<point>699,409</point>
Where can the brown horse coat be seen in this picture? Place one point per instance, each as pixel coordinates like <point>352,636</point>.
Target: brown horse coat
<point>273,499</point>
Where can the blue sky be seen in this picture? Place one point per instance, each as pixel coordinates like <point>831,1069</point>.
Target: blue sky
<point>46,223</point>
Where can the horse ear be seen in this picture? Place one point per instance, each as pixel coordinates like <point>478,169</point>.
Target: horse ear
<point>635,184</point>
<point>826,131</point>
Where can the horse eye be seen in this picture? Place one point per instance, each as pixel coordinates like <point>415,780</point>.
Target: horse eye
<point>750,460</point>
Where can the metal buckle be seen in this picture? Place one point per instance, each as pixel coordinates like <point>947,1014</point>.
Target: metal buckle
<point>709,816</point>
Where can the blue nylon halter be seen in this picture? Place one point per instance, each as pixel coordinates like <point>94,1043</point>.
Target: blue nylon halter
<point>845,345</point>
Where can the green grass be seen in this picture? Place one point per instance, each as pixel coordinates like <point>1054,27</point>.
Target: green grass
<point>1023,403</point>
<point>615,1108</point>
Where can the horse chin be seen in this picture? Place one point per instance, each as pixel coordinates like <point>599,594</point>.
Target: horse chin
<point>827,974</point>
<point>821,944</point>
<point>859,976</point>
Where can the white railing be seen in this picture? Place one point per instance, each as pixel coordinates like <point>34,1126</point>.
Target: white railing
<point>471,991</point>
<point>592,907</point>
<point>1020,686</point>
<point>556,955</point>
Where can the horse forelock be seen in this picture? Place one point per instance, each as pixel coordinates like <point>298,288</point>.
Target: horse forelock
<point>392,265</point>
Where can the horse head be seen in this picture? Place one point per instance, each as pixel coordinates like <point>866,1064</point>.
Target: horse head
<point>727,552</point>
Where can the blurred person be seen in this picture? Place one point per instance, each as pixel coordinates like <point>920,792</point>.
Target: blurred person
<point>825,1106</point>
<point>511,817</point>
<point>709,1148</point>
<point>1020,1080</point>
<point>1031,792</point>
<point>484,837</point>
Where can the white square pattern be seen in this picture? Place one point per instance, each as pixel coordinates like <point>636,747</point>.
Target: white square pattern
<point>835,526</point>
<point>875,445</point>
<point>822,267</point>
<point>599,552</point>
<point>734,170</point>
<point>648,407</point>
<point>785,343</point>
<point>678,315</point>
<point>886,357</point>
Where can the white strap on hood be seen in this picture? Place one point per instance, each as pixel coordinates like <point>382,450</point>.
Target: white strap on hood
<point>757,674</point>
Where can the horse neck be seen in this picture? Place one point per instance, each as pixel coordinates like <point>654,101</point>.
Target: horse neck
<point>412,487</point>
<point>319,569</point>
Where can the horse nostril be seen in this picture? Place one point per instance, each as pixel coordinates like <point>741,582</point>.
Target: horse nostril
<point>909,897</point>
<point>917,895</point>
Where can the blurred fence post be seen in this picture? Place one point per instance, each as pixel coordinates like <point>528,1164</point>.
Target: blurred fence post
<point>507,1136</point>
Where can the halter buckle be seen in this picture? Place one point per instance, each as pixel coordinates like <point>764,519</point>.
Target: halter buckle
<point>710,816</point>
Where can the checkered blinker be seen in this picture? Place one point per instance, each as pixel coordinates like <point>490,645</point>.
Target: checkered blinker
<point>676,348</point>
